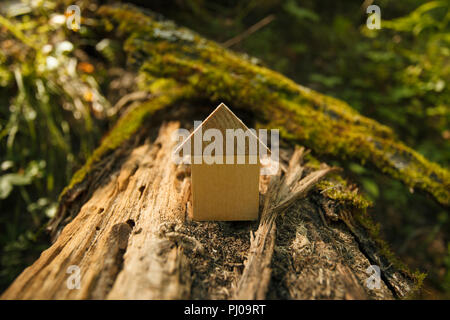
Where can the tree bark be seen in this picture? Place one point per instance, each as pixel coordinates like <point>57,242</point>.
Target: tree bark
<point>130,239</point>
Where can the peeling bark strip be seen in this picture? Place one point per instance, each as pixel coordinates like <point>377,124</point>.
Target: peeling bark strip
<point>130,240</point>
<point>116,238</point>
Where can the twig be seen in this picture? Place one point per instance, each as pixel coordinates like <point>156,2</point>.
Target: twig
<point>231,42</point>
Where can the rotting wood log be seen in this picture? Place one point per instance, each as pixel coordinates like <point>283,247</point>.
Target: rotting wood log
<point>122,218</point>
<point>131,240</point>
<point>115,238</point>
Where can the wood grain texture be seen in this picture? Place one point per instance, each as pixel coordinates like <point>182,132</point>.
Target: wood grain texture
<point>225,192</point>
<point>116,239</point>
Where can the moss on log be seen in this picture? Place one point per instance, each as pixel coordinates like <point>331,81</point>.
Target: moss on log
<point>176,63</point>
<point>180,68</point>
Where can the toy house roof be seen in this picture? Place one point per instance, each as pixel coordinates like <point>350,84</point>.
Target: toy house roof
<point>222,118</point>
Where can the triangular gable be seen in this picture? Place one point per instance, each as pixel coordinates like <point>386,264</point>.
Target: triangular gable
<point>222,118</point>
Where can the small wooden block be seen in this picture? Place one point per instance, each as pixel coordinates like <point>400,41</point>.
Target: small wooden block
<point>225,191</point>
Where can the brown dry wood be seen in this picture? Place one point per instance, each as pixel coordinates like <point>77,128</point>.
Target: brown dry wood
<point>225,189</point>
<point>130,238</point>
<point>222,119</point>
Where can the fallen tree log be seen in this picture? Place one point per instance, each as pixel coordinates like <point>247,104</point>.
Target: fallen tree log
<point>122,220</point>
<point>131,240</point>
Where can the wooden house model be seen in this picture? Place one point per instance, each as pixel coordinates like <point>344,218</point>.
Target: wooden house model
<point>227,188</point>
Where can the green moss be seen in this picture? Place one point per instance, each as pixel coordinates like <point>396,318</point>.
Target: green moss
<point>324,124</point>
<point>336,188</point>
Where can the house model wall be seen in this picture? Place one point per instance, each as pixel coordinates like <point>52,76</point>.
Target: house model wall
<point>227,191</point>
